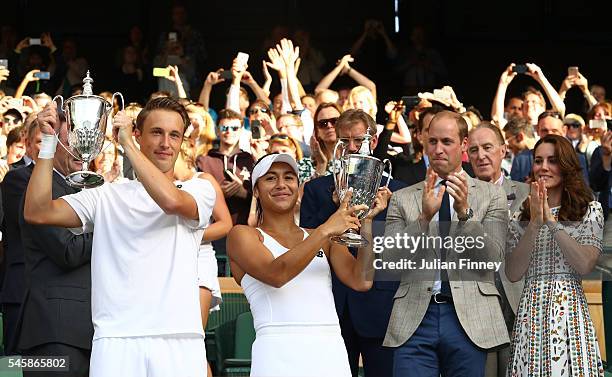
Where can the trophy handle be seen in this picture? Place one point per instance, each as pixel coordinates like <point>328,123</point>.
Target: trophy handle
<point>61,107</point>
<point>388,163</point>
<point>334,168</point>
<point>122,100</point>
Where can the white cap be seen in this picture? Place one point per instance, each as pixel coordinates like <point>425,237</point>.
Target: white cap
<point>265,163</point>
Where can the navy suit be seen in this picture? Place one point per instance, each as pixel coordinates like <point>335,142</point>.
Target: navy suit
<point>600,181</point>
<point>364,316</point>
<point>13,187</point>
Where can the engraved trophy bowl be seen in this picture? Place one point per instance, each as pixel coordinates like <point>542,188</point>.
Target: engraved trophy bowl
<point>362,173</point>
<point>86,116</point>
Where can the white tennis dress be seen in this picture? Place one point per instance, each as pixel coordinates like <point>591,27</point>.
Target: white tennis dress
<point>297,330</point>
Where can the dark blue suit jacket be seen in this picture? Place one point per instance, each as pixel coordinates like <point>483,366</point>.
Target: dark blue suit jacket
<point>369,311</point>
<point>600,181</point>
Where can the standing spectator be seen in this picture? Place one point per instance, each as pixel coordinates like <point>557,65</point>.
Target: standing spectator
<point>486,149</point>
<point>230,166</point>
<point>76,66</point>
<point>443,323</point>
<point>554,240</point>
<point>323,140</point>
<point>521,139</point>
<point>131,78</point>
<point>57,280</point>
<point>421,67</point>
<point>191,41</point>
<point>533,100</point>
<point>173,53</point>
<point>363,316</point>
<point>15,147</point>
<point>600,177</point>
<point>13,287</point>
<point>599,92</point>
<point>312,61</point>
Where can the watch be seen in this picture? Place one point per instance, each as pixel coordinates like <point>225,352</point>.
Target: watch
<point>468,215</point>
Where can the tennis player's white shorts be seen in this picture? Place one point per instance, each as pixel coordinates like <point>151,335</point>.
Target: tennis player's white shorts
<point>181,355</point>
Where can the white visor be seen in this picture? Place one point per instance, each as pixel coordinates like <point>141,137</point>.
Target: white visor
<point>266,162</point>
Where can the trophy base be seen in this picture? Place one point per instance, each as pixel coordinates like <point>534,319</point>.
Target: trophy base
<point>84,179</point>
<point>350,239</point>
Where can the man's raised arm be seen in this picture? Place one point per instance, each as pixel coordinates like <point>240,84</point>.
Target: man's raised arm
<point>39,206</point>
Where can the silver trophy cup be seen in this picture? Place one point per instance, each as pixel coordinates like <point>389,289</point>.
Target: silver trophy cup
<point>363,174</point>
<point>86,116</point>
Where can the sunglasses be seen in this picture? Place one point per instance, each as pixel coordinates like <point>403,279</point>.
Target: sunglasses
<point>279,137</point>
<point>574,125</point>
<point>256,110</point>
<point>227,128</point>
<point>322,123</point>
<point>11,120</point>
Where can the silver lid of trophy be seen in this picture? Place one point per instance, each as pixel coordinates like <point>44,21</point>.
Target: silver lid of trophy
<point>364,149</point>
<point>87,89</point>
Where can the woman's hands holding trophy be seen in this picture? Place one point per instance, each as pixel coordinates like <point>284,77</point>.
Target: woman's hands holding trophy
<point>123,128</point>
<point>344,218</point>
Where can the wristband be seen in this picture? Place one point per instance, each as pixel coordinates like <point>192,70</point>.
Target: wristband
<point>47,147</point>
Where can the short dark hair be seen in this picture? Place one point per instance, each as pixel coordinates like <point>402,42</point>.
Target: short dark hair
<point>353,116</point>
<point>14,136</point>
<point>433,110</point>
<point>228,114</point>
<point>517,125</point>
<point>162,103</point>
<point>459,120</point>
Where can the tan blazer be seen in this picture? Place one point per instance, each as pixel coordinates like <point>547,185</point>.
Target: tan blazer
<point>520,191</point>
<point>476,301</point>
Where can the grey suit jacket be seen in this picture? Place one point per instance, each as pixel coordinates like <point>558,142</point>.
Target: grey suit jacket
<point>520,191</point>
<point>475,297</point>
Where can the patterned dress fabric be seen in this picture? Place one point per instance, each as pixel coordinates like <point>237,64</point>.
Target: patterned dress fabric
<point>553,333</point>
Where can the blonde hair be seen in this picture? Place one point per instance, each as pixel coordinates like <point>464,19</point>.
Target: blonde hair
<point>361,90</point>
<point>206,133</point>
<point>286,141</point>
<point>132,110</point>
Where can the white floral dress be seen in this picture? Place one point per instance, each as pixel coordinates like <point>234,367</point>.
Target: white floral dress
<point>553,333</point>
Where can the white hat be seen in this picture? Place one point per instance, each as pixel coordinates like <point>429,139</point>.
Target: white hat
<point>264,164</point>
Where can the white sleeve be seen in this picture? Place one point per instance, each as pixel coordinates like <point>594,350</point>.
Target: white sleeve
<point>233,98</point>
<point>308,123</point>
<point>204,195</point>
<point>84,203</point>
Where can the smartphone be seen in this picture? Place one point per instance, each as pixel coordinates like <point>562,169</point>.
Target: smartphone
<point>44,75</point>
<point>161,72</point>
<point>520,68</point>
<point>410,102</point>
<point>256,129</point>
<point>598,123</point>
<point>35,42</point>
<point>572,71</point>
<point>242,58</point>
<point>172,37</point>
<point>4,63</point>
<point>226,75</point>
<point>609,123</point>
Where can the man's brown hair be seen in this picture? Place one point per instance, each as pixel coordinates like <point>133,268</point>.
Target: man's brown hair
<point>354,116</point>
<point>459,120</point>
<point>162,103</point>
